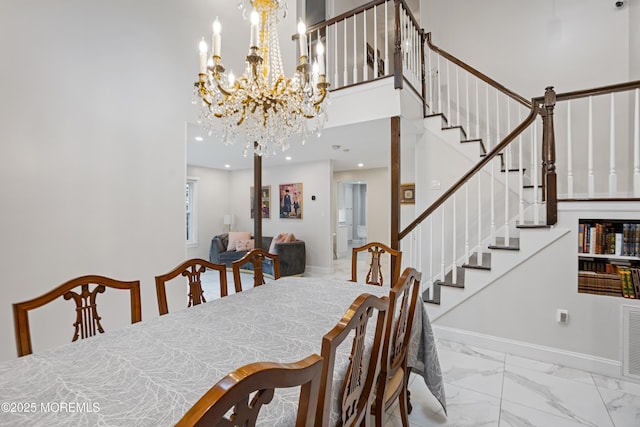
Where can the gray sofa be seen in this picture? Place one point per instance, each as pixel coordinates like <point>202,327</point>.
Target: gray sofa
<point>292,255</point>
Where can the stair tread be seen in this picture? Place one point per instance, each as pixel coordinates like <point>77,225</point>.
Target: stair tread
<point>473,262</point>
<point>512,245</point>
<point>531,224</point>
<point>436,296</point>
<point>449,284</point>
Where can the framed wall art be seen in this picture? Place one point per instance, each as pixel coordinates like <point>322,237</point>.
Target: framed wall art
<point>291,200</point>
<point>266,201</point>
<point>407,194</point>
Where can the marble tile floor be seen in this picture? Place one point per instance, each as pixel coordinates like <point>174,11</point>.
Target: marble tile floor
<point>494,389</point>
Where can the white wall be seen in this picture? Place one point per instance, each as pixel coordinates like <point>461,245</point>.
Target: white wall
<point>314,227</point>
<point>634,40</point>
<point>527,45</point>
<point>213,203</point>
<point>95,96</point>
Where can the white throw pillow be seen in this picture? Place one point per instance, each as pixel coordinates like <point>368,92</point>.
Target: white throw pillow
<point>234,236</point>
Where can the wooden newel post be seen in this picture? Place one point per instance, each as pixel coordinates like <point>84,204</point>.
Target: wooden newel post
<point>257,198</point>
<point>549,156</point>
<point>397,50</point>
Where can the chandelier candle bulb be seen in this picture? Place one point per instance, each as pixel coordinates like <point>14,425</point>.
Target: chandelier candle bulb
<point>302,38</point>
<point>203,56</point>
<point>320,57</point>
<point>255,20</point>
<point>216,41</point>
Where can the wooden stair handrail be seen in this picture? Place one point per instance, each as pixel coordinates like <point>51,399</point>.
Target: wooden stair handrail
<point>477,73</point>
<point>603,90</point>
<point>535,108</point>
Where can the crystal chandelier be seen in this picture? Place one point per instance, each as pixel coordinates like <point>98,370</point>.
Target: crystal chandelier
<point>262,105</point>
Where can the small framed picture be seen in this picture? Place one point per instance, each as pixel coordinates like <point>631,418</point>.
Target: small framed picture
<point>407,194</point>
<point>291,200</point>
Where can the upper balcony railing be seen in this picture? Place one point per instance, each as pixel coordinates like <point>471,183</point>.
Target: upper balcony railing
<point>377,40</point>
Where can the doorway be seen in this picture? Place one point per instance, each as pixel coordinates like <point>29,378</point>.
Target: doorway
<point>352,217</point>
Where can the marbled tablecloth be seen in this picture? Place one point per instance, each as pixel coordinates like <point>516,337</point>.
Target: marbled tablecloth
<point>151,373</point>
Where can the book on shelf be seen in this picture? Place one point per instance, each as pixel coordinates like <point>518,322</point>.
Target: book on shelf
<point>628,290</point>
<point>635,279</point>
<point>609,238</point>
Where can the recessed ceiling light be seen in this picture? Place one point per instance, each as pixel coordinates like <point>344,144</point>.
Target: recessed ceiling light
<point>227,166</point>
<point>360,165</point>
<point>198,138</point>
<point>288,157</point>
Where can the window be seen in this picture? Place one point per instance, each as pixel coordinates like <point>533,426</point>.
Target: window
<point>191,191</point>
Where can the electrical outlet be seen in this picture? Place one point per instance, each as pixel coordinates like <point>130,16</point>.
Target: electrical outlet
<point>562,316</point>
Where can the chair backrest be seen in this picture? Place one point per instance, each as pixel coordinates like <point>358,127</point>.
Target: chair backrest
<point>256,257</point>
<point>234,390</point>
<point>403,299</point>
<point>375,276</point>
<point>359,382</point>
<point>191,269</point>
<point>87,321</point>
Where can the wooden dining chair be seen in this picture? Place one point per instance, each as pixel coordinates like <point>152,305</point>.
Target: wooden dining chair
<point>356,395</point>
<point>377,250</point>
<point>192,270</point>
<point>394,374</point>
<point>87,322</point>
<point>256,257</point>
<point>233,392</point>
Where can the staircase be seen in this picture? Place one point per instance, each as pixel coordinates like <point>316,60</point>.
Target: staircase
<point>498,258</point>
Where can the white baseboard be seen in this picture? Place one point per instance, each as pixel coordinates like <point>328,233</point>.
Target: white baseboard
<point>585,362</point>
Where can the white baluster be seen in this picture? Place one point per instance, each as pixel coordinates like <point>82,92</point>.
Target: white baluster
<point>431,275</point>
<point>488,127</point>
<point>591,181</point>
<point>386,40</point>
<point>493,168</point>
<point>507,163</point>
<point>479,218</point>
<point>477,135</point>
<point>430,80</point>
<point>498,134</point>
<point>636,145</point>
<point>466,107</point>
<point>365,66</point>
<point>344,55</point>
<point>375,43</point>
<point>613,179</point>
<point>534,167</point>
<point>466,223</point>
<point>458,121</point>
<point>355,51</point>
<point>335,29</point>
<point>442,243</point>
<point>520,173</point>
<point>569,153</point>
<point>439,85</point>
<point>454,235</point>
<point>449,118</point>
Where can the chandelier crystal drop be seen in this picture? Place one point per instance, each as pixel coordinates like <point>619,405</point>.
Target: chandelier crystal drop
<point>262,106</point>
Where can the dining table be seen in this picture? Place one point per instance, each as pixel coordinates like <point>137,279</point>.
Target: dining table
<point>150,373</point>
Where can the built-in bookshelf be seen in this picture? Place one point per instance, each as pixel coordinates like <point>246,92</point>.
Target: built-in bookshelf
<point>609,257</point>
